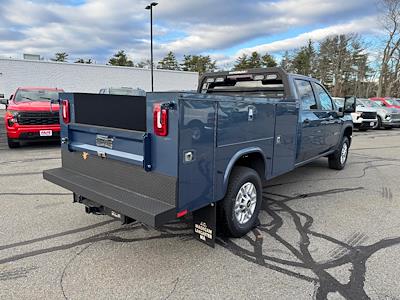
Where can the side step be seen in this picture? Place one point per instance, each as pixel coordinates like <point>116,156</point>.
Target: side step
<point>134,205</point>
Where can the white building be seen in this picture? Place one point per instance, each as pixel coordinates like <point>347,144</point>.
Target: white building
<point>87,78</point>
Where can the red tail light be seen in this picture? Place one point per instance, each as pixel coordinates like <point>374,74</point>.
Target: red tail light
<point>160,120</point>
<point>65,111</point>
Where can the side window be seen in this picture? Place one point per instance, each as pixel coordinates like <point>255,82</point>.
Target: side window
<point>324,98</point>
<point>306,95</point>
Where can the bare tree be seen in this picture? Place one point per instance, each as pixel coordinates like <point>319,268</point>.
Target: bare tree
<point>390,20</point>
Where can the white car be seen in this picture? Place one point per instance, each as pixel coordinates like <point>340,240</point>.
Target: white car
<point>364,118</point>
<point>388,117</point>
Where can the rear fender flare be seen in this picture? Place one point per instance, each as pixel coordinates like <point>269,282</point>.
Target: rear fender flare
<point>235,158</point>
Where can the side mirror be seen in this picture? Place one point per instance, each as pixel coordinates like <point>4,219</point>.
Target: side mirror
<point>4,101</point>
<point>349,105</point>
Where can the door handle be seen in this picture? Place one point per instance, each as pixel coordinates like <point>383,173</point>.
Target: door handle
<point>327,122</point>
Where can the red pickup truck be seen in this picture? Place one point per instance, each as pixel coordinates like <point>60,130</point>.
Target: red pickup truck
<point>30,117</point>
<point>387,102</point>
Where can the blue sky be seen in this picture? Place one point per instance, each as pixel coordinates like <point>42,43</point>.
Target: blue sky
<point>224,29</point>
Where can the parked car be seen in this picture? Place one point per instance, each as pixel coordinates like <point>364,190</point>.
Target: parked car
<point>126,91</point>
<point>30,116</point>
<point>387,117</point>
<point>387,102</point>
<point>364,117</point>
<point>141,163</point>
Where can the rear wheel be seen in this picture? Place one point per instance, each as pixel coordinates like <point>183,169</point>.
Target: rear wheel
<point>242,203</point>
<point>13,143</point>
<point>338,159</point>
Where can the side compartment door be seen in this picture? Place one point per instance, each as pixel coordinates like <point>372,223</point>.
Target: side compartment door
<point>286,121</point>
<point>331,123</point>
<point>196,153</point>
<point>311,138</point>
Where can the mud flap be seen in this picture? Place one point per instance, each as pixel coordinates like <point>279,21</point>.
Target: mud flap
<point>205,224</point>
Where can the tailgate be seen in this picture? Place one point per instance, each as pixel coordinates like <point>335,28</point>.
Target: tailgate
<point>123,145</point>
<point>109,126</point>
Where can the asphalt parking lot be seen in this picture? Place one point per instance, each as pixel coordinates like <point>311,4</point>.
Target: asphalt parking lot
<point>324,234</point>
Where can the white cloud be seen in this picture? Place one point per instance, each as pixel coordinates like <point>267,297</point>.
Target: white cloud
<point>98,28</point>
<point>360,26</point>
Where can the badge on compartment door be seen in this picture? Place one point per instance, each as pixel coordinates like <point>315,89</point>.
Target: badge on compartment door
<point>104,141</point>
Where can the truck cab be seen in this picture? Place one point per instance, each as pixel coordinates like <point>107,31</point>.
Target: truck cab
<point>30,115</point>
<point>171,154</point>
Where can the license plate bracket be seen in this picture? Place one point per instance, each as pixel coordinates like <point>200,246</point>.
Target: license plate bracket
<point>46,132</point>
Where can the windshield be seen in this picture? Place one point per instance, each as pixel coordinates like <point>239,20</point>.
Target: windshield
<point>392,102</point>
<point>379,103</point>
<point>239,87</point>
<point>36,95</point>
<point>360,103</point>
<point>370,103</point>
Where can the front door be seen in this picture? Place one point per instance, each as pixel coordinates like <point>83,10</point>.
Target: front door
<point>331,123</point>
<point>311,137</point>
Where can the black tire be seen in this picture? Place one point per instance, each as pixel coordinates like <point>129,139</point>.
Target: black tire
<point>12,143</point>
<point>335,159</point>
<point>388,128</point>
<point>379,124</point>
<point>228,222</point>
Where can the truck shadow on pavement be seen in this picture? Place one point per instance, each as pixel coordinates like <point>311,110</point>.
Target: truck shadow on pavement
<point>345,252</point>
<point>256,246</point>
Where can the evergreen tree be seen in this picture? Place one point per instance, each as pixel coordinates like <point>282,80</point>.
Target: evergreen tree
<point>120,59</point>
<point>169,62</point>
<point>254,60</point>
<point>286,62</point>
<point>304,60</point>
<point>241,63</point>
<point>60,56</point>
<point>198,63</point>
<point>268,61</point>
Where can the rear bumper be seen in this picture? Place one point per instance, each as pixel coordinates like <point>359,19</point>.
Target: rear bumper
<point>129,203</point>
<point>148,197</point>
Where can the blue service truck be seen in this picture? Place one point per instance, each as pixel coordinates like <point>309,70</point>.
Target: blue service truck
<point>157,158</point>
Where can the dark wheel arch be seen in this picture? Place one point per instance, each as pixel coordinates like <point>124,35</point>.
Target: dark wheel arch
<point>348,132</point>
<point>252,158</point>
